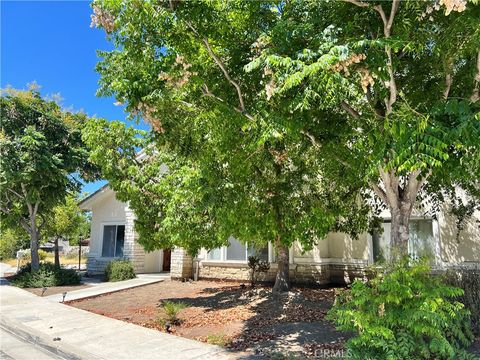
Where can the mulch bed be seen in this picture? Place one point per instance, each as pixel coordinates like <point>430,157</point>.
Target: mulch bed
<point>232,315</point>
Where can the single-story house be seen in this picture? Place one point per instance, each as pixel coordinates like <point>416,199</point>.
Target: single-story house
<point>337,258</point>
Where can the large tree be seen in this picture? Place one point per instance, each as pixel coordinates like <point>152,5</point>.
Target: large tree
<point>41,148</point>
<point>407,74</point>
<point>68,222</point>
<point>221,159</point>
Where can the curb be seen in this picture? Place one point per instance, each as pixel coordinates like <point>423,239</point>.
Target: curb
<point>61,351</point>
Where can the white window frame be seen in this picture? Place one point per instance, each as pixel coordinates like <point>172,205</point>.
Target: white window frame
<point>436,238</point>
<point>223,255</point>
<point>116,224</point>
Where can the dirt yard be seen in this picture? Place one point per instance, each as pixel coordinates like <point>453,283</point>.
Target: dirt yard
<point>234,316</point>
<point>230,315</point>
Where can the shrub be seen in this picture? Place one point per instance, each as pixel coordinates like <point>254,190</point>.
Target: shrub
<point>10,243</point>
<point>469,281</point>
<point>404,313</point>
<point>119,270</point>
<point>73,254</point>
<point>171,310</point>
<point>46,276</point>
<point>42,255</point>
<point>256,265</point>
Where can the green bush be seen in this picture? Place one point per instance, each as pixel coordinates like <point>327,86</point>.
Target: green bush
<point>469,281</point>
<point>72,255</point>
<point>42,255</point>
<point>404,313</point>
<point>10,243</point>
<point>119,270</point>
<point>256,266</point>
<point>46,276</point>
<point>171,310</point>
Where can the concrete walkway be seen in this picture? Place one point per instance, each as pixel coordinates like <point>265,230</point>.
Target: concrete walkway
<point>100,288</point>
<point>72,333</point>
<point>5,268</point>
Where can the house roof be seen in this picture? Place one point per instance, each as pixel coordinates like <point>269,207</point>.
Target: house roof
<point>86,204</point>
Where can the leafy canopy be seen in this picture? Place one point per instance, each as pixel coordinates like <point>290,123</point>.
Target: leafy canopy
<point>41,147</point>
<point>221,159</point>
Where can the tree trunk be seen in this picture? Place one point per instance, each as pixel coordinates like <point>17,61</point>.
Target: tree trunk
<point>400,200</point>
<point>57,256</point>
<point>35,263</point>
<point>282,279</point>
<point>399,232</point>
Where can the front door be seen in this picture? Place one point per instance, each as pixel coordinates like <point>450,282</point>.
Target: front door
<point>167,254</point>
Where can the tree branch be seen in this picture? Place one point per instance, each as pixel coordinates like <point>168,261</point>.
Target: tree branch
<point>221,65</point>
<point>208,93</point>
<point>317,145</point>
<point>448,85</point>
<point>476,82</point>
<point>25,225</point>
<point>379,191</point>
<point>16,193</point>
<point>387,30</point>
<point>311,138</point>
<point>358,3</point>
<point>345,106</point>
<point>448,78</point>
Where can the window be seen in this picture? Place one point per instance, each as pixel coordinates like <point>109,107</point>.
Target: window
<point>113,240</point>
<point>237,251</point>
<point>421,240</point>
<point>215,254</point>
<point>420,243</point>
<point>261,253</point>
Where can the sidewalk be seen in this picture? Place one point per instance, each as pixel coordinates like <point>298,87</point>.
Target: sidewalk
<point>108,287</point>
<point>83,335</point>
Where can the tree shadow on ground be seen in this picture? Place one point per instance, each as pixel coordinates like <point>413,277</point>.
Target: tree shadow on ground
<point>293,322</point>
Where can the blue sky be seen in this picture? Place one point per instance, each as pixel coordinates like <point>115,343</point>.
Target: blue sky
<point>51,42</point>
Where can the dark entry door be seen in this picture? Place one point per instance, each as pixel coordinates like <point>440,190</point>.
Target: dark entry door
<point>167,255</point>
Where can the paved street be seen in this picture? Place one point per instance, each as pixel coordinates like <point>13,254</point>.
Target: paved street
<point>13,347</point>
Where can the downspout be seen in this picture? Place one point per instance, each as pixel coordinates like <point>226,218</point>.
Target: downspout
<point>197,268</point>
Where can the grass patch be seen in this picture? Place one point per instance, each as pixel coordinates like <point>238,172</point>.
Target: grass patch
<point>218,339</point>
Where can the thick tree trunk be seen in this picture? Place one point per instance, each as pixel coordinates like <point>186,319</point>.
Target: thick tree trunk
<point>34,236</point>
<point>57,256</point>
<point>400,200</point>
<point>399,231</point>
<point>282,279</point>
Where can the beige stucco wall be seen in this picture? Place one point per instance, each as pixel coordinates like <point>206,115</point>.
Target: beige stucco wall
<point>107,210</point>
<point>319,251</point>
<point>465,248</point>
<point>153,261</point>
<point>342,246</point>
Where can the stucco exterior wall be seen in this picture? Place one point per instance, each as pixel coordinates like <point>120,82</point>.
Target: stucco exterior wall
<point>342,246</point>
<point>107,210</point>
<point>338,258</point>
<point>463,248</point>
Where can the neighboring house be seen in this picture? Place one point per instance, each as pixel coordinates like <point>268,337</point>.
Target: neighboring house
<point>64,246</point>
<point>337,258</point>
